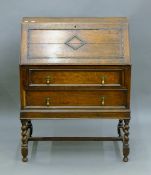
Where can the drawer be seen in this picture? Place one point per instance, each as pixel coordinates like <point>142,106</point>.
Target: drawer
<point>87,77</point>
<point>104,98</point>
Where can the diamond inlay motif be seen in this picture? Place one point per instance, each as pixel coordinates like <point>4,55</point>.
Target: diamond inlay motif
<point>75,43</point>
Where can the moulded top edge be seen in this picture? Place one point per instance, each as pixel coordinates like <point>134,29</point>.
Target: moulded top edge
<point>75,20</point>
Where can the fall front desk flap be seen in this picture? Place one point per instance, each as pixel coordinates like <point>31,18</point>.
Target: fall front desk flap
<point>84,41</point>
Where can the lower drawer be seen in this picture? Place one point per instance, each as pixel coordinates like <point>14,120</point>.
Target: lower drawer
<point>76,98</point>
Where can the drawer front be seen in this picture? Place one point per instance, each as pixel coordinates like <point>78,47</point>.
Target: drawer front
<point>76,98</point>
<point>100,77</point>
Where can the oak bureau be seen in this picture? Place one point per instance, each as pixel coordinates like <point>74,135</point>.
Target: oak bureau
<point>75,68</point>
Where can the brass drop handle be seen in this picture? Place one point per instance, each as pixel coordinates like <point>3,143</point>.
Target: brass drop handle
<point>47,101</point>
<point>102,101</point>
<point>102,80</point>
<point>48,79</point>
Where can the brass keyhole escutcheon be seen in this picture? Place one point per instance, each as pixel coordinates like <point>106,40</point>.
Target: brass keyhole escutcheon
<point>47,101</point>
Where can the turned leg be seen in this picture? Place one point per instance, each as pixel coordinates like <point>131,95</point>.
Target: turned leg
<point>24,145</point>
<point>126,148</point>
<point>120,125</point>
<point>30,126</point>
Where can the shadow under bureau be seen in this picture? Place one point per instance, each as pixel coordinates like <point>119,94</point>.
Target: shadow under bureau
<point>72,68</point>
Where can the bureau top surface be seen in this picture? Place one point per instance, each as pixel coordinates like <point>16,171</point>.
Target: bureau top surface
<point>74,41</point>
<point>77,20</point>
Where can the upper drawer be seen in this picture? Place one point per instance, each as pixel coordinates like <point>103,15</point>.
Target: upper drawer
<point>79,77</point>
<point>77,44</point>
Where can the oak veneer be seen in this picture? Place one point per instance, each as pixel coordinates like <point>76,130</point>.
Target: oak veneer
<point>75,68</point>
